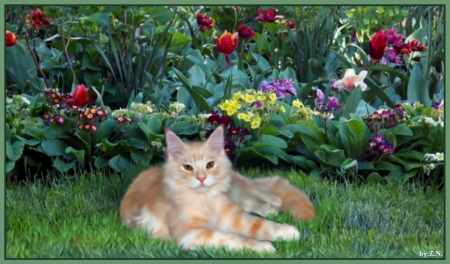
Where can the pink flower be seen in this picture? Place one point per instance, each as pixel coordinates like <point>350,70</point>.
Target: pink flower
<point>350,80</point>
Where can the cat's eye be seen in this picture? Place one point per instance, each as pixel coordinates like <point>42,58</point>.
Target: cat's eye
<point>188,167</point>
<point>210,165</point>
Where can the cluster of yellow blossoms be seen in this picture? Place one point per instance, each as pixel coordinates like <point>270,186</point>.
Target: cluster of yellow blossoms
<point>253,107</point>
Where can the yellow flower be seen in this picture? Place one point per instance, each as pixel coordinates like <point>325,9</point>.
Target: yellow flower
<point>282,109</point>
<point>261,97</point>
<point>237,95</point>
<point>249,98</point>
<point>272,97</point>
<point>231,110</point>
<point>256,123</point>
<point>240,116</point>
<point>247,117</point>
<point>235,103</point>
<point>297,103</point>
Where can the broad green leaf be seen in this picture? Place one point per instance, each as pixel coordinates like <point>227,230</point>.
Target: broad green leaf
<point>199,100</point>
<point>417,91</point>
<point>184,128</point>
<point>79,154</point>
<point>35,133</point>
<point>141,157</point>
<point>375,177</point>
<point>154,124</point>
<point>120,163</point>
<point>14,151</point>
<point>352,102</point>
<point>272,140</point>
<point>101,162</point>
<point>54,147</point>
<point>63,166</point>
<point>105,129</point>
<point>262,63</point>
<point>9,166</point>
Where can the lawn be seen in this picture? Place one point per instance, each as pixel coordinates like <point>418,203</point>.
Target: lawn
<point>77,217</point>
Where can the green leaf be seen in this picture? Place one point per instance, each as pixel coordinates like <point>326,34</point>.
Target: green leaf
<point>247,154</point>
<point>161,14</point>
<point>63,166</point>
<point>199,100</point>
<point>8,135</point>
<point>35,133</point>
<point>307,128</point>
<point>400,130</point>
<point>262,63</point>
<point>101,162</point>
<point>14,151</point>
<point>331,156</point>
<point>272,141</point>
<point>304,163</point>
<point>307,88</point>
<point>79,154</point>
<point>198,77</point>
<point>54,147</point>
<point>120,163</point>
<point>184,128</point>
<point>417,91</point>
<point>154,124</point>
<point>141,157</point>
<point>352,102</point>
<point>9,166</point>
<point>375,177</point>
<point>105,129</point>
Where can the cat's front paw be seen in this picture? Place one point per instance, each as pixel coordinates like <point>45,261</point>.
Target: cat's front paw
<point>287,232</point>
<point>268,209</point>
<point>261,246</point>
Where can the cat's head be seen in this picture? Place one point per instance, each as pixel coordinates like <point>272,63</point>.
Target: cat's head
<point>201,166</point>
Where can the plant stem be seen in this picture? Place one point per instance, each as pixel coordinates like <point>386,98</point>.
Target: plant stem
<point>217,67</point>
<point>34,59</point>
<point>65,50</point>
<point>325,130</point>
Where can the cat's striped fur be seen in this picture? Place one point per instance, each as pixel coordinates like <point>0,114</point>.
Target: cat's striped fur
<point>197,199</point>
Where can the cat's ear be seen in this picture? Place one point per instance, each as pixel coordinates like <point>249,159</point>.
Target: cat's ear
<point>216,141</point>
<point>174,146</point>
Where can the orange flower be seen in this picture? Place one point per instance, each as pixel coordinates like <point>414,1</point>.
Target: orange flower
<point>227,44</point>
<point>39,19</point>
<point>11,39</point>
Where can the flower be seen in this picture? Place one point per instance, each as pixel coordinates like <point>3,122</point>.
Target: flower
<point>377,45</point>
<point>256,122</point>
<point>332,101</point>
<point>11,39</point>
<point>281,87</point>
<point>296,103</point>
<point>289,24</point>
<point>392,37</point>
<point>269,16</point>
<point>80,97</point>
<point>227,44</point>
<point>204,22</point>
<point>60,119</point>
<point>412,46</point>
<point>350,80</point>
<point>440,156</point>
<point>282,109</point>
<point>245,32</point>
<point>39,19</point>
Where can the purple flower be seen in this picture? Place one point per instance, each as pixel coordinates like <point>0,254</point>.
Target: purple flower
<point>281,87</point>
<point>319,97</point>
<point>332,101</point>
<point>258,104</point>
<point>379,139</point>
<point>393,37</point>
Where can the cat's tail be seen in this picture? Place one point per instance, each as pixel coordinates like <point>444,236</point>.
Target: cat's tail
<point>294,200</point>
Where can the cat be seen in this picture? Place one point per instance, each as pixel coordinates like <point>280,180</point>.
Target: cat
<point>197,199</point>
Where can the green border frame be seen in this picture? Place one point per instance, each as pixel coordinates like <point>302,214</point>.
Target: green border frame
<point>196,2</point>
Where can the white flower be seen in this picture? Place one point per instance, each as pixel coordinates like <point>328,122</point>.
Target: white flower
<point>179,107</point>
<point>426,170</point>
<point>156,144</point>
<point>430,157</point>
<point>440,156</point>
<point>431,166</point>
<point>25,100</point>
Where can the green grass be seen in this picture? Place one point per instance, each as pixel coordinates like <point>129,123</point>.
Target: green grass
<point>78,218</point>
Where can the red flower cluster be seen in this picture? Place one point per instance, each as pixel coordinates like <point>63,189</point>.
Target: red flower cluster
<point>290,24</point>
<point>11,39</point>
<point>266,17</point>
<point>38,18</point>
<point>80,97</point>
<point>378,46</point>
<point>204,22</point>
<point>234,137</point>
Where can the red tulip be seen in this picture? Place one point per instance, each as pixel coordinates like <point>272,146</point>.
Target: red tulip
<point>11,39</point>
<point>245,32</point>
<point>290,24</point>
<point>269,16</point>
<point>412,46</point>
<point>377,45</point>
<point>204,22</point>
<point>226,44</point>
<point>80,97</point>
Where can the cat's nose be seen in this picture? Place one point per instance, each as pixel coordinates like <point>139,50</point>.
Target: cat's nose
<point>201,178</point>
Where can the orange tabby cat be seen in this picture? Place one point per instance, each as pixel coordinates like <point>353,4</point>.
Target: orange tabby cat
<point>197,199</point>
